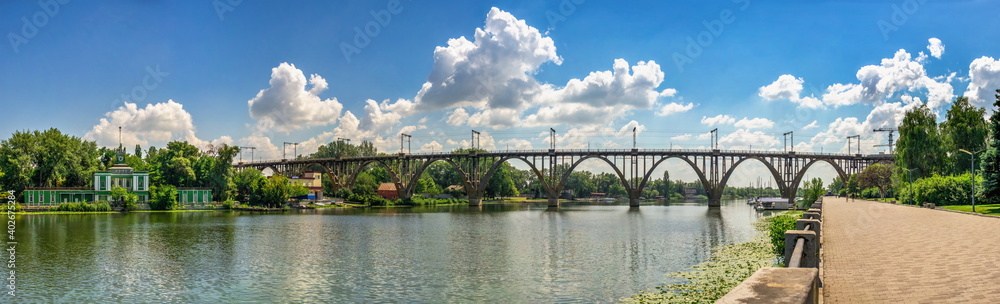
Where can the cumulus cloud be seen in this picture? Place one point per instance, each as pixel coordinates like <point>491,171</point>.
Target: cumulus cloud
<point>745,139</point>
<point>756,123</point>
<point>156,123</point>
<point>494,69</point>
<point>674,108</point>
<point>433,146</point>
<point>287,105</point>
<point>717,120</point>
<point>788,87</point>
<point>878,83</point>
<point>515,144</point>
<point>984,79</point>
<point>935,47</point>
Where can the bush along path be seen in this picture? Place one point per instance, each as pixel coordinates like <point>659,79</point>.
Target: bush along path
<point>728,266</point>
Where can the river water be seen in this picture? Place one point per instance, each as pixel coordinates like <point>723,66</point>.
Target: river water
<point>497,253</point>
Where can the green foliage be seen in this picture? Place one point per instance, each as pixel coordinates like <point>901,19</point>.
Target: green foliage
<point>247,185</point>
<point>100,206</point>
<point>920,144</point>
<point>230,204</point>
<point>878,176</point>
<point>46,159</point>
<point>501,184</point>
<point>991,158</point>
<point>371,200</point>
<point>776,226</point>
<point>124,199</point>
<point>366,184</point>
<point>964,128</point>
<point>853,186</point>
<point>813,191</point>
<point>163,197</point>
<point>427,186</point>
<point>727,267</point>
<point>872,192</point>
<point>940,190</point>
<point>419,200</point>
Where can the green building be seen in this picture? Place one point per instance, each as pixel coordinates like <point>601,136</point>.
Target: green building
<point>119,175</point>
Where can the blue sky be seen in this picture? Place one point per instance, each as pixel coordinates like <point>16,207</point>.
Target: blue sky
<point>241,72</point>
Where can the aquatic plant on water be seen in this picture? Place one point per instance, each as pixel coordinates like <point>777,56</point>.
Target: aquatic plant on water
<point>727,267</point>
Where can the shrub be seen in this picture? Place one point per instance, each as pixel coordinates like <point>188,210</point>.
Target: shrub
<point>101,206</point>
<point>776,226</point>
<point>872,192</point>
<point>940,190</point>
<point>163,198</point>
<point>229,204</point>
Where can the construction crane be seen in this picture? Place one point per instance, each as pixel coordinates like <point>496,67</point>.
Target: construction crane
<point>891,133</point>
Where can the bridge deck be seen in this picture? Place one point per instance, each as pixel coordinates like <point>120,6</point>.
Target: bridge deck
<point>882,253</point>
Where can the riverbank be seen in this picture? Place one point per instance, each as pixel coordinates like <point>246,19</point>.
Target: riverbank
<point>727,267</point>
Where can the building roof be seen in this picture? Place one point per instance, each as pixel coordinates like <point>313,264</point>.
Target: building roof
<point>387,187</point>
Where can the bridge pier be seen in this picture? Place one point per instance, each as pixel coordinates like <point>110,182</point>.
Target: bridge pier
<point>553,202</point>
<point>714,202</point>
<point>633,202</point>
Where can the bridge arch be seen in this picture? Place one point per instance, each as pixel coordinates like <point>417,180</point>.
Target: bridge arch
<point>770,167</point>
<point>426,164</point>
<point>365,164</point>
<point>701,175</point>
<point>794,186</point>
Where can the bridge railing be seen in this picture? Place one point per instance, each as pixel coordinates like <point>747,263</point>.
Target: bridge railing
<point>599,151</point>
<point>799,282</point>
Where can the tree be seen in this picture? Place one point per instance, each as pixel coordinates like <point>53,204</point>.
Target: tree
<point>837,184</point>
<point>876,175</point>
<point>46,159</point>
<point>501,184</point>
<point>277,190</point>
<point>247,184</point>
<point>813,190</point>
<point>853,187</point>
<point>991,159</point>
<point>919,145</point>
<point>124,199</point>
<point>965,128</point>
<point>163,197</point>
<point>427,186</point>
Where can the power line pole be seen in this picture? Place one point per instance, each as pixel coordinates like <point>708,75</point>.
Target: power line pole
<point>475,140</point>
<point>891,133</point>
<point>251,153</point>
<point>552,139</point>
<point>786,141</point>
<point>715,138</point>
<point>408,137</point>
<point>633,137</point>
<point>858,137</point>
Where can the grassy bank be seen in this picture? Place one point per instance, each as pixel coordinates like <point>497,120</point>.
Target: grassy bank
<point>727,267</point>
<point>993,209</point>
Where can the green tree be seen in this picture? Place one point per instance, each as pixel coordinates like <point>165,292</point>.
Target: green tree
<point>813,190</point>
<point>427,186</point>
<point>853,186</point>
<point>501,184</point>
<point>919,145</point>
<point>965,128</point>
<point>124,199</point>
<point>991,158</point>
<point>878,176</point>
<point>277,190</point>
<point>248,184</point>
<point>163,197</point>
<point>46,159</point>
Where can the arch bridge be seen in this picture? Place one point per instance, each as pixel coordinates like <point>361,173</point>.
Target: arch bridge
<point>634,168</point>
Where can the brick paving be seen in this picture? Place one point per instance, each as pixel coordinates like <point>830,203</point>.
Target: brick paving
<point>882,253</point>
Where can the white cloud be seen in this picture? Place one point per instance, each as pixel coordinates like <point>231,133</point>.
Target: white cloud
<point>936,48</point>
<point>458,117</point>
<point>790,88</point>
<point>515,144</point>
<point>717,120</point>
<point>155,124</point>
<point>618,87</point>
<point>494,69</point>
<point>626,130</point>
<point>433,146</point>
<point>879,83</point>
<point>674,108</point>
<point>682,137</point>
<point>288,106</point>
<point>984,79</point>
<point>756,123</point>
<point>811,125</point>
<point>745,139</point>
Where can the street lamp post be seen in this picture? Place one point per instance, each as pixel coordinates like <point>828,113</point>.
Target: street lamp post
<point>972,179</point>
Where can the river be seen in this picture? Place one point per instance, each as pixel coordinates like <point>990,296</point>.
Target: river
<point>497,253</point>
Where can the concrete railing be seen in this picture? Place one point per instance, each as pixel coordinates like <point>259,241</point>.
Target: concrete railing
<point>799,283</point>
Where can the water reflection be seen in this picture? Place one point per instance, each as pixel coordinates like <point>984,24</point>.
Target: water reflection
<point>491,253</point>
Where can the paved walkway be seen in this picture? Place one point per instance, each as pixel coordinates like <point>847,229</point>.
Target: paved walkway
<point>882,253</point>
